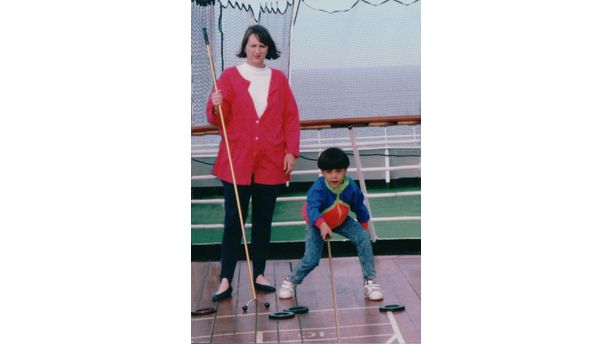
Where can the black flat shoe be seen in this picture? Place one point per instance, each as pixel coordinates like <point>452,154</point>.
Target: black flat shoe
<point>224,295</point>
<point>265,288</point>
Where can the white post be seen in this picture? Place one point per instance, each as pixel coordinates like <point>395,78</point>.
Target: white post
<point>371,229</point>
<point>292,27</point>
<point>387,163</point>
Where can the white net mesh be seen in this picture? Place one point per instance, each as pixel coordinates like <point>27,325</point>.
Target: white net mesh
<point>201,80</point>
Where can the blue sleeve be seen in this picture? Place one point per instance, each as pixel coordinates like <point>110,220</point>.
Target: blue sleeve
<point>358,204</point>
<point>314,200</point>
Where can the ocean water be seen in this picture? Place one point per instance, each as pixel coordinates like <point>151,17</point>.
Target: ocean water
<point>357,92</point>
<point>350,92</point>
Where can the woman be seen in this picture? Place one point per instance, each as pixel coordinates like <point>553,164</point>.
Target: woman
<point>263,130</point>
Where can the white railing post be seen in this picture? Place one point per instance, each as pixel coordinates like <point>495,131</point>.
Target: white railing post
<point>387,164</point>
<point>371,229</point>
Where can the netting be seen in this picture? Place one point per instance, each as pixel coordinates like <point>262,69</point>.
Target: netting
<point>347,58</point>
<point>201,80</point>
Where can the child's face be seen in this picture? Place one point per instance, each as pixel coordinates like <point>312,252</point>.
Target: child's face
<point>334,177</point>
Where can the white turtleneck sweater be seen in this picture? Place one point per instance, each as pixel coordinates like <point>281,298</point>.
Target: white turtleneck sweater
<point>260,84</point>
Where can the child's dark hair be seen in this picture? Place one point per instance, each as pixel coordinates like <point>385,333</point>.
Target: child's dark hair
<point>333,158</point>
<point>264,37</point>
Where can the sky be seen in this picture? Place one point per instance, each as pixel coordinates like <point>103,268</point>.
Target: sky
<point>384,35</point>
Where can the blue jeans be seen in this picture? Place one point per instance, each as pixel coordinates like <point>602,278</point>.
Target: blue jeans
<point>351,230</point>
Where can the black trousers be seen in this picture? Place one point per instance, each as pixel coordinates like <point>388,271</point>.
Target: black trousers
<point>263,203</point>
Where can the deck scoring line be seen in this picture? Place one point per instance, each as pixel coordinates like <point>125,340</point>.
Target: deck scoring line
<point>289,330</point>
<point>398,334</point>
<point>390,340</point>
<point>327,339</point>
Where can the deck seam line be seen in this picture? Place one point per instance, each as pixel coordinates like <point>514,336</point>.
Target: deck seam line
<point>407,279</point>
<point>327,339</point>
<point>308,329</point>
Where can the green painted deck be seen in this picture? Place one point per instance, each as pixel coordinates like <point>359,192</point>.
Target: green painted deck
<point>291,211</point>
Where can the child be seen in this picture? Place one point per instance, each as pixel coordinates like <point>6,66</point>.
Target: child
<point>327,206</point>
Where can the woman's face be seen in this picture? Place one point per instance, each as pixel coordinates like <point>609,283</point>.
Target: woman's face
<point>255,51</point>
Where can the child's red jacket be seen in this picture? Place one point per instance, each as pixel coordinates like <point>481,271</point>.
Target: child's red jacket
<point>332,205</point>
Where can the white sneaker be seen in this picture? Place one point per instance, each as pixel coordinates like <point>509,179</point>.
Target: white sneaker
<point>286,290</point>
<point>372,291</point>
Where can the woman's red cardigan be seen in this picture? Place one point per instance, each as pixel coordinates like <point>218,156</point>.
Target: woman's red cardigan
<point>257,144</point>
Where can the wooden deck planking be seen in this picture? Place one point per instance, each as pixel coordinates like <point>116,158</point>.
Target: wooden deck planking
<point>267,329</point>
<point>360,319</point>
<point>356,311</point>
<point>225,319</point>
<point>201,274</point>
<point>410,267</point>
<point>246,325</point>
<point>397,290</point>
<point>282,269</point>
<point>315,293</point>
